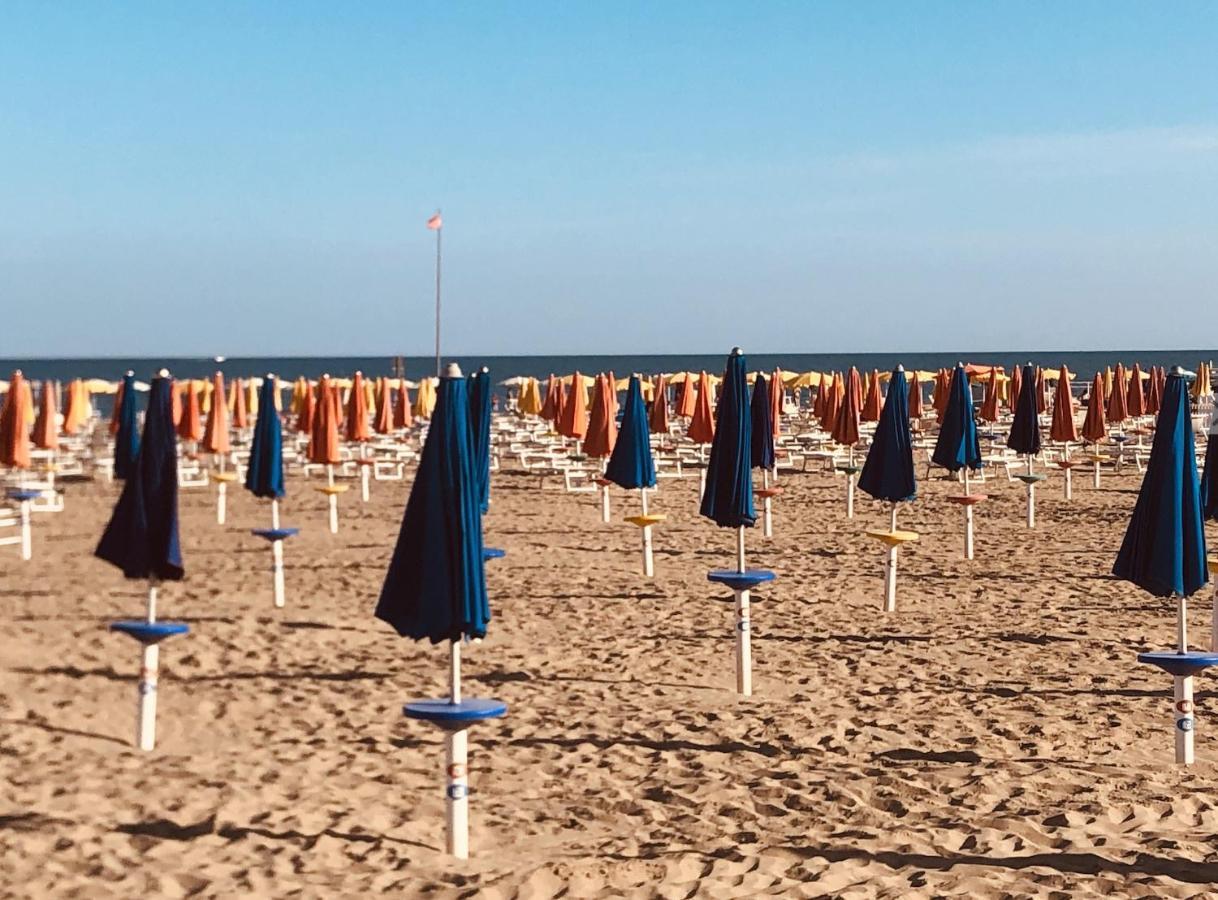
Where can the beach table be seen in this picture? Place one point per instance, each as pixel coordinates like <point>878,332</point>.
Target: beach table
<point>1030,480</point>
<point>741,583</point>
<point>851,471</point>
<point>331,491</point>
<point>893,540</point>
<point>276,536</point>
<point>222,480</point>
<point>149,633</point>
<point>1066,465</point>
<point>1182,666</point>
<point>968,501</point>
<point>24,498</point>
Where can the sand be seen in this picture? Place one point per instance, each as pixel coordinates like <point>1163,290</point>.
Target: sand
<point>995,737</point>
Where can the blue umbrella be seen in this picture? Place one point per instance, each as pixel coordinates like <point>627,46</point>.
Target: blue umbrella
<point>763,426</point>
<point>1164,547</point>
<point>957,447</point>
<point>264,477</point>
<point>436,585</point>
<point>728,499</point>
<point>1025,426</point>
<point>142,535</point>
<point>127,439</point>
<point>888,472</point>
<point>631,465</point>
<point>480,432</point>
<point>1209,478</point>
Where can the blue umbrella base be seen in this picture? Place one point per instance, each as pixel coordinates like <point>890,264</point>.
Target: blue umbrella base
<point>489,553</point>
<point>1030,479</point>
<point>21,496</point>
<point>150,632</point>
<point>740,581</point>
<point>1180,663</point>
<point>455,716</point>
<point>275,534</point>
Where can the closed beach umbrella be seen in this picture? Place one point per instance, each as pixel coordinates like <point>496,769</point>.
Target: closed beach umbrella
<point>631,465</point>
<point>846,425</point>
<point>728,498</point>
<point>1209,475</point>
<point>1016,388</point>
<point>761,409</point>
<point>323,442</point>
<point>1025,429</point>
<point>46,425</point>
<point>14,430</point>
<point>957,448</point>
<point>1152,392</point>
<point>215,434</point>
<point>916,400</point>
<point>382,421</point>
<point>701,428</point>
<point>77,411</point>
<point>356,426</point>
<point>549,409</point>
<point>403,414</point>
<point>1118,409</point>
<point>871,405</point>
<point>308,409</point>
<point>190,428</point>
<point>425,398</point>
<point>939,396</point>
<point>989,411</point>
<point>602,424</point>
<point>116,410</point>
<point>127,436</point>
<point>1042,393</point>
<point>888,472</point>
<point>529,402</point>
<point>573,418</point>
<point>1136,401</point>
<point>252,406</point>
<point>1095,424</point>
<point>480,433</point>
<point>833,402</point>
<point>1062,427</point>
<point>657,421</point>
<point>241,415</point>
<point>264,474</point>
<point>687,398</point>
<point>777,388</point>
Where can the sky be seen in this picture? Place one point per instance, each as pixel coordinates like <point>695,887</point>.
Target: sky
<point>255,178</point>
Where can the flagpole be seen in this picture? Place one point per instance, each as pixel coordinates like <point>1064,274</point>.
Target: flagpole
<point>439,230</point>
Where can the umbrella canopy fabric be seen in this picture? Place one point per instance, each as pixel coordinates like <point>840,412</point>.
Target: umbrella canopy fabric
<point>1164,547</point>
<point>872,404</point>
<point>480,392</point>
<point>382,420</point>
<point>264,474</point>
<point>602,419</point>
<point>1095,424</point>
<point>657,421</point>
<point>308,411</point>
<point>1209,477</point>
<point>1062,427</point>
<point>323,440</point>
<point>702,425</point>
<point>631,466</point>
<point>833,403</point>
<point>141,537</point>
<point>549,409</point>
<point>1118,409</point>
<point>356,427</point>
<point>687,398</point>
<point>761,407</point>
<point>1042,394</point>
<point>777,389</point>
<point>77,411</point>
<point>916,400</point>
<point>403,410</point>
<point>1025,427</point>
<point>846,425</point>
<point>728,499</point>
<point>573,421</point>
<point>957,446</point>
<point>14,433</point>
<point>127,436</point>
<point>529,402</point>
<point>435,587</point>
<point>989,408</point>
<point>215,434</point>
<point>888,472</point>
<point>46,425</point>
<point>237,407</point>
<point>425,398</point>
<point>190,426</point>
<point>1136,401</point>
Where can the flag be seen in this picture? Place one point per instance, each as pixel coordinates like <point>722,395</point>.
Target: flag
<point>435,222</point>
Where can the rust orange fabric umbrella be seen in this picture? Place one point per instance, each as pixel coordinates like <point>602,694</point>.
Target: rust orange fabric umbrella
<point>46,426</point>
<point>573,421</point>
<point>1042,394</point>
<point>916,400</point>
<point>308,409</point>
<point>874,402</point>
<point>833,402</point>
<point>14,437</point>
<point>383,421</point>
<point>1118,410</point>
<point>118,405</point>
<point>1016,387</point>
<point>657,419</point>
<point>1153,397</point>
<point>702,424</point>
<point>1095,428</point>
<point>175,403</point>
<point>602,429</point>
<point>821,398</point>
<point>356,427</point>
<point>549,408</point>
<point>989,408</point>
<point>776,391</point>
<point>1062,427</point>
<point>846,427</point>
<point>190,428</point>
<point>241,416</point>
<point>77,413</point>
<point>855,382</point>
<point>215,433</point>
<point>687,398</point>
<point>940,394</point>
<point>323,441</point>
<point>403,413</point>
<point>1136,401</point>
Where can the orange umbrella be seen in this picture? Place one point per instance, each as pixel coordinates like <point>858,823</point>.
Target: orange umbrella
<point>118,405</point>
<point>856,383</point>
<point>323,441</point>
<point>872,405</point>
<point>383,421</point>
<point>357,412</point>
<point>77,413</point>
<point>602,428</point>
<point>821,398</point>
<point>701,428</point>
<point>846,426</point>
<point>1062,427</point>
<point>939,396</point>
<point>833,402</point>
<point>215,434</point>
<point>175,403</point>
<point>1095,429</point>
<point>1153,397</point>
<point>657,420</point>
<point>1136,401</point>
<point>776,392</point>
<point>46,426</point>
<point>916,401</point>
<point>989,409</point>
<point>549,409</point>
<point>190,428</point>
<point>403,414</point>
<point>1118,410</point>
<point>687,399</point>
<point>573,421</point>
<point>1042,400</point>
<point>1016,387</point>
<point>241,418</point>
<point>308,409</point>
<point>14,438</point>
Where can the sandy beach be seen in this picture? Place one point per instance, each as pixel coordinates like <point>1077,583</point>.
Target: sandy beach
<point>994,738</point>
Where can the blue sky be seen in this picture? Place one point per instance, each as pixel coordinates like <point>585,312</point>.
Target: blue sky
<point>674,177</point>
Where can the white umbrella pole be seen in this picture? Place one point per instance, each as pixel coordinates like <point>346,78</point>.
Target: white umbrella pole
<point>744,650</point>
<point>968,521</point>
<point>1069,489</point>
<point>275,514</point>
<point>605,503</point>
<point>333,499</point>
<point>363,473</point>
<point>27,543</point>
<point>146,719</point>
<point>890,573</point>
<point>701,482</point>
<point>849,495</point>
<point>1184,719</point>
<point>221,502</point>
<point>768,521</point>
<point>457,760</point>
<point>648,559</point>
<point>1031,496</point>
<point>1214,621</point>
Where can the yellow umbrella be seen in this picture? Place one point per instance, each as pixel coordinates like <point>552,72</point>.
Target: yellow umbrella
<point>425,399</point>
<point>529,402</point>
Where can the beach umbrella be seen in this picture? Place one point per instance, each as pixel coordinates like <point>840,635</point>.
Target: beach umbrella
<point>403,411</point>
<point>602,431</point>
<point>888,475</point>
<point>728,502</point>
<point>425,398</point>
<point>142,540</point>
<point>435,588</point>
<point>1209,475</point>
<point>15,453</point>
<point>382,421</point>
<point>870,411</point>
<point>687,397</point>
<point>573,421</point>
<point>821,399</point>
<point>77,412</point>
<point>657,421</point>
<point>264,478</point>
<point>1163,551</point>
<point>237,408</point>
<point>989,411</point>
<point>701,428</point>
<point>845,433</point>
<point>190,425</point>
<point>216,442</point>
<point>116,409</point>
<point>308,412</point>
<point>529,402</point>
<point>1153,396</point>
<point>958,450</point>
<point>1118,409</point>
<point>323,445</point>
<point>631,465</point>
<point>761,408</point>
<point>356,429</point>
<point>46,424</point>
<point>916,401</point>
<point>1095,424</point>
<point>833,403</point>
<point>1062,427</point>
<point>1136,401</point>
<point>1042,394</point>
<point>1016,389</point>
<point>942,391</point>
<point>549,409</point>
<point>480,392</point>
<point>1025,435</point>
<point>252,406</point>
<point>126,435</point>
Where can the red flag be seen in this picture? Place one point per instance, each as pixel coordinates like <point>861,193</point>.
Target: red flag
<point>435,222</point>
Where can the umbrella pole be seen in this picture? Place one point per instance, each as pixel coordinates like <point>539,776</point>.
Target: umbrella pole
<point>332,498</point>
<point>363,473</point>
<point>768,520</point>
<point>744,649</point>
<point>27,543</point>
<point>1096,476</point>
<point>648,560</point>
<point>1214,621</point>
<point>968,520</point>
<point>457,761</point>
<point>605,503</point>
<point>1031,496</point>
<point>145,735</point>
<point>890,572</point>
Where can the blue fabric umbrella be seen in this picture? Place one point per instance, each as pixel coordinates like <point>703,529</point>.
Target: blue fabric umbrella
<point>957,447</point>
<point>631,465</point>
<point>1209,479</point>
<point>127,438</point>
<point>142,535</point>
<point>1164,547</point>
<point>763,425</point>
<point>728,498</point>
<point>1025,427</point>
<point>888,473</point>
<point>480,432</point>
<point>436,584</point>
<point>264,477</point>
